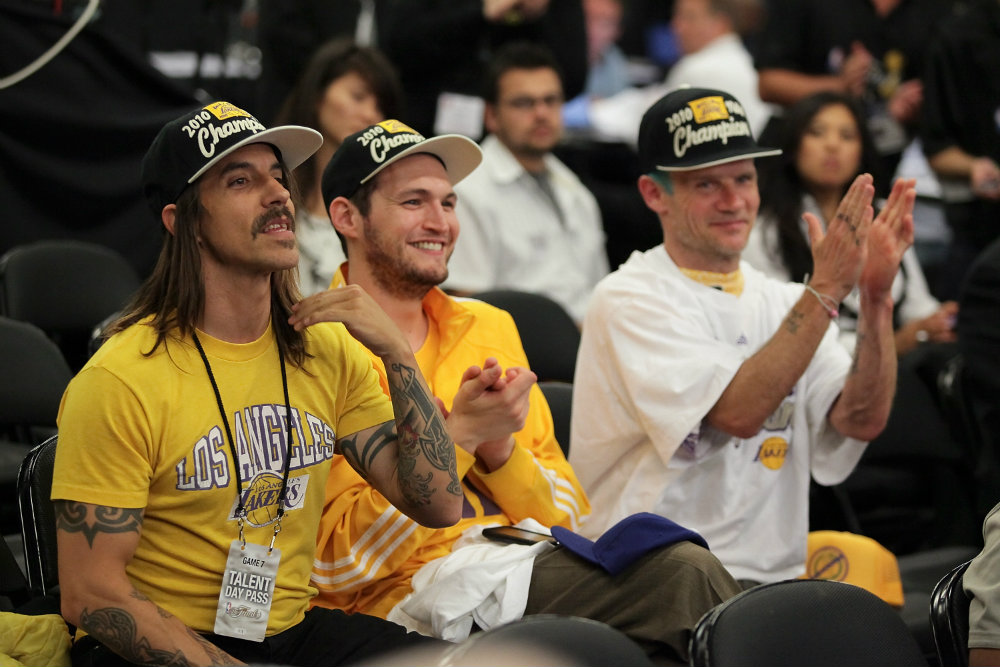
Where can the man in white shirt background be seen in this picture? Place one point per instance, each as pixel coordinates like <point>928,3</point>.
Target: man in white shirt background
<point>710,36</point>
<point>528,223</point>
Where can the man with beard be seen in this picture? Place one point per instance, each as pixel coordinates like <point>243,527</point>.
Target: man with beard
<point>529,224</point>
<point>391,198</point>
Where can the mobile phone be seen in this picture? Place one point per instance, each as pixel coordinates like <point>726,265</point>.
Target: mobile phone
<point>514,535</point>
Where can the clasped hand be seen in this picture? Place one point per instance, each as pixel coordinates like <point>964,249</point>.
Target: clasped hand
<point>489,407</point>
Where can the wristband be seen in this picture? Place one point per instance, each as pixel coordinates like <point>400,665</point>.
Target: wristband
<point>828,302</point>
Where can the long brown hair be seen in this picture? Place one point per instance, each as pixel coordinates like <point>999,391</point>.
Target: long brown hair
<point>331,61</point>
<point>174,293</point>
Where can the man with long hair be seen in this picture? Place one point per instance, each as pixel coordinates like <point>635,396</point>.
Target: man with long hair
<point>195,445</point>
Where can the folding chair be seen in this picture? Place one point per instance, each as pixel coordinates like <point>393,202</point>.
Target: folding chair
<point>65,287</point>
<point>33,376</point>
<point>559,396</point>
<point>549,335</point>
<point>38,518</point>
<point>950,619</point>
<point>798,622</point>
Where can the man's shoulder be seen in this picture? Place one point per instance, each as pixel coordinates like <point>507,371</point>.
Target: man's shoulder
<point>562,173</point>
<point>330,343</point>
<point>498,166</point>
<point>641,267</point>
<point>644,277</point>
<point>484,315</point>
<point>327,331</point>
<point>477,330</point>
<point>134,360</point>
<point>135,342</point>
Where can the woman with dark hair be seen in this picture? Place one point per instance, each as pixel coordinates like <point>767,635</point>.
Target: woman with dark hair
<point>825,145</point>
<point>343,89</point>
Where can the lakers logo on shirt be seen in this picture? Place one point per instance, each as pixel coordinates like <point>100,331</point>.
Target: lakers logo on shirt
<point>261,499</point>
<point>772,453</point>
<point>827,563</point>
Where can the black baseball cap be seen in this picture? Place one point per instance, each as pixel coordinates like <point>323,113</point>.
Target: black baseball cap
<point>364,154</point>
<point>692,128</point>
<point>187,147</point>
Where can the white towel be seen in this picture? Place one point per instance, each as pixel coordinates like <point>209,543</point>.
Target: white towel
<point>480,580</point>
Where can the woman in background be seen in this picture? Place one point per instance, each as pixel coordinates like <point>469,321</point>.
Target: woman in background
<point>344,88</point>
<point>825,146</point>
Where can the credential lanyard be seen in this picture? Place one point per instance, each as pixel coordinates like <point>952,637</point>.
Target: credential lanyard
<point>241,511</point>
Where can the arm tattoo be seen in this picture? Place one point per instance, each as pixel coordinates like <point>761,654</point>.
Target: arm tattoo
<point>215,654</point>
<point>116,629</point>
<point>421,431</point>
<point>794,321</point>
<point>361,455</point>
<point>138,595</point>
<point>416,488</point>
<point>73,517</point>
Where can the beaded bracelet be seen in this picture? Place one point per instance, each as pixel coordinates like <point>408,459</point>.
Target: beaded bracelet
<point>828,302</point>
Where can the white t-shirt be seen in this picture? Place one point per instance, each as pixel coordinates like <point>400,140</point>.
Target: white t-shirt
<point>512,237</point>
<point>657,351</point>
<point>722,64</point>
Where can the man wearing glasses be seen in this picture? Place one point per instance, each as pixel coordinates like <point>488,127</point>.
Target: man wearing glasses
<point>528,223</point>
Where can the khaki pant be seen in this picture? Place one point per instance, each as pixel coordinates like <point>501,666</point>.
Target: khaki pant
<point>656,601</point>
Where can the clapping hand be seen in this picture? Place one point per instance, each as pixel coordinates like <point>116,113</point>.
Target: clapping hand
<point>890,236</point>
<point>489,407</point>
<point>839,253</point>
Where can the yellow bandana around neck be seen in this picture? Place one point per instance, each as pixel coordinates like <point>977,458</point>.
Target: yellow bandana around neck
<point>730,283</point>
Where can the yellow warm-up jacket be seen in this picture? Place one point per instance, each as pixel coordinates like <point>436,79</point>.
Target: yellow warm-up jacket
<point>367,550</point>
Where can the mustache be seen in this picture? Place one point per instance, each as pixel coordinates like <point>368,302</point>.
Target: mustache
<point>273,213</point>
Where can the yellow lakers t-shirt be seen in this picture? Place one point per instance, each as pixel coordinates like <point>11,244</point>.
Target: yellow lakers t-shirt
<point>146,432</point>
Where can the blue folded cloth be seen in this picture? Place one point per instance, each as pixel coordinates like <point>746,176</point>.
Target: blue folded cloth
<point>627,541</point>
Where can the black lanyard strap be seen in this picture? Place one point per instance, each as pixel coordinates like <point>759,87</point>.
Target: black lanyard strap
<point>241,511</point>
